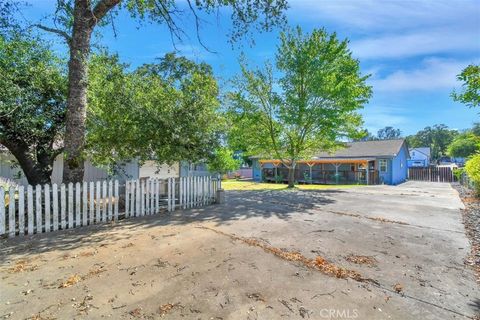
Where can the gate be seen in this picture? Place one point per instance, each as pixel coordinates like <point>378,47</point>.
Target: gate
<point>433,174</point>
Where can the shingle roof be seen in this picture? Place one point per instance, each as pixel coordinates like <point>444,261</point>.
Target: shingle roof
<point>364,149</point>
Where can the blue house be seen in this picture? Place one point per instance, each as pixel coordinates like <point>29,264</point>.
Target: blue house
<point>363,162</point>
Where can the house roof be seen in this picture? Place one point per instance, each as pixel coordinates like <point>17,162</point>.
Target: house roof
<point>424,150</point>
<point>365,149</point>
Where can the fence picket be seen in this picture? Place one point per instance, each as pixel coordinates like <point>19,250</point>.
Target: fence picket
<point>92,202</point>
<point>30,209</point>
<point>55,206</point>
<point>142,197</point>
<point>21,210</point>
<point>77,205</point>
<point>127,198</point>
<point>63,207</point>
<point>152,196</point>
<point>38,207</point>
<point>104,201</point>
<point>85,203</point>
<point>98,203</point>
<point>11,212</point>
<point>117,200</point>
<point>47,207</point>
<point>157,195</point>
<point>2,211</point>
<point>174,197</point>
<point>147,197</point>
<point>70,206</point>
<point>110,200</point>
<point>132,198</point>
<point>137,198</point>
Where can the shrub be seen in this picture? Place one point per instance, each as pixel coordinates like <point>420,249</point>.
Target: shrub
<point>472,167</point>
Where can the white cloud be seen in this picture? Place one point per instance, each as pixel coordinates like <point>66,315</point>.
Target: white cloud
<point>425,42</point>
<point>388,14</point>
<point>433,74</point>
<point>398,29</point>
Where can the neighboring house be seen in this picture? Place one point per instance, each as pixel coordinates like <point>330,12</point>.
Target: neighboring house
<point>188,169</point>
<point>419,157</point>
<point>150,169</point>
<point>9,169</point>
<point>367,162</point>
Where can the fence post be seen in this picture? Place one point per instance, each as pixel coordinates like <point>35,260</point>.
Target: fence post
<point>30,208</point>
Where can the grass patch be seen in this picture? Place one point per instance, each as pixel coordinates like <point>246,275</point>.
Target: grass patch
<point>251,185</point>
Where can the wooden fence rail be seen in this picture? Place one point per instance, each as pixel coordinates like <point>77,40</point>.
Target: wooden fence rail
<point>48,208</point>
<point>433,174</point>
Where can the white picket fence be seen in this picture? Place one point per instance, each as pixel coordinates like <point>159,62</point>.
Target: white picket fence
<point>50,208</point>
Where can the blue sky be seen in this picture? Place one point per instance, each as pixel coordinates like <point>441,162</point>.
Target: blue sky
<point>412,49</point>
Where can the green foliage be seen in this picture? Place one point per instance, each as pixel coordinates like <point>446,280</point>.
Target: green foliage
<point>165,111</point>
<point>472,167</point>
<point>389,133</point>
<point>470,94</point>
<point>222,161</point>
<point>32,103</point>
<point>464,145</point>
<point>309,108</point>
<point>437,138</point>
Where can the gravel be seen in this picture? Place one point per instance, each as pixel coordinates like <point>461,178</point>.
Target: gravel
<point>471,221</point>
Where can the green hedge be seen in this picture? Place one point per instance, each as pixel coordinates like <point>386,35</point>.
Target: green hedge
<point>472,167</point>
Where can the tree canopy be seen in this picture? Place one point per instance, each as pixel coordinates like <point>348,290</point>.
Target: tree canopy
<point>76,20</point>
<point>388,133</point>
<point>166,111</point>
<point>32,103</point>
<point>464,145</point>
<point>470,93</point>
<point>308,108</point>
<point>437,137</point>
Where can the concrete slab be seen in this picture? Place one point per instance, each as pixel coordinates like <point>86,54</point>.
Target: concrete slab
<point>173,266</point>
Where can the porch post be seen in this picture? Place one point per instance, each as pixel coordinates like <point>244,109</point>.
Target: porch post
<point>337,165</point>
<point>366,170</point>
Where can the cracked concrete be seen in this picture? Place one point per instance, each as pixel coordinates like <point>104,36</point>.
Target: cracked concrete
<point>166,267</point>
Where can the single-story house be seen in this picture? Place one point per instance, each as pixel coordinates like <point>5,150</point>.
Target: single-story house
<point>419,157</point>
<point>363,162</point>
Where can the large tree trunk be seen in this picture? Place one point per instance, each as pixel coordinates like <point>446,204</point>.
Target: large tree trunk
<point>36,172</point>
<point>73,168</point>
<point>291,176</point>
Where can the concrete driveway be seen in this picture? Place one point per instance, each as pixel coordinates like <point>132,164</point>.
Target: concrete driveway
<point>262,255</point>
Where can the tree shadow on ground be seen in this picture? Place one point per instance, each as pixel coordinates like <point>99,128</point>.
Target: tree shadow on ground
<point>240,205</point>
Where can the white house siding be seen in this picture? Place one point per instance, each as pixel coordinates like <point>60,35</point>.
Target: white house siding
<point>150,169</point>
<point>129,170</point>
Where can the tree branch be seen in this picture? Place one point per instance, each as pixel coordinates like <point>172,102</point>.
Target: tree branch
<point>102,8</point>
<point>56,31</point>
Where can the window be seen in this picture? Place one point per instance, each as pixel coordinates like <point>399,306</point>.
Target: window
<point>382,165</point>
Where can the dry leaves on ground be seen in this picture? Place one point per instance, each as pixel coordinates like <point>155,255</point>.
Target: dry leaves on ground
<point>358,259</point>
<point>21,266</point>
<point>72,280</point>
